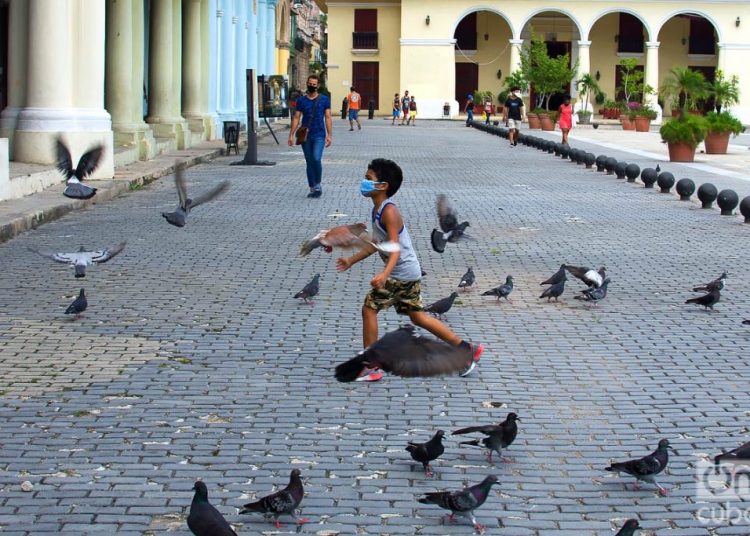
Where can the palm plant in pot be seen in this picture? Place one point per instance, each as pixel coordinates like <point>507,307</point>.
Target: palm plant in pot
<point>722,124</point>
<point>683,133</point>
<point>585,86</point>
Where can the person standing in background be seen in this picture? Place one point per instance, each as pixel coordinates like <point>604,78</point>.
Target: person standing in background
<point>566,118</point>
<point>469,107</point>
<point>405,100</point>
<point>354,100</point>
<point>396,109</point>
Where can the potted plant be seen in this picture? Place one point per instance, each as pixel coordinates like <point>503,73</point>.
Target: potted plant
<point>585,86</point>
<point>720,127</point>
<point>685,88</point>
<point>644,114</point>
<point>610,108</point>
<point>533,117</point>
<point>627,115</point>
<point>548,120</point>
<point>726,92</point>
<point>683,135</point>
<point>584,117</point>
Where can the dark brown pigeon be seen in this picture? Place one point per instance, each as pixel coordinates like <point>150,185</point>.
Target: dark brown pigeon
<point>204,519</point>
<point>707,300</point>
<point>555,278</point>
<point>499,436</point>
<point>424,453</point>
<point>629,528</point>
<point>78,306</point>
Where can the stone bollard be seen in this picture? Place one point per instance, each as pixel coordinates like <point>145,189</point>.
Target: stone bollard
<point>727,201</point>
<point>707,194</point>
<point>600,160</point>
<point>685,188</point>
<point>665,181</point>
<point>632,171</point>
<point>745,208</point>
<point>648,176</point>
<point>610,164</point>
<point>620,169</point>
<point>589,159</point>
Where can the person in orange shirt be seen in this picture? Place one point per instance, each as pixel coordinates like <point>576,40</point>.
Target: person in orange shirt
<point>354,100</point>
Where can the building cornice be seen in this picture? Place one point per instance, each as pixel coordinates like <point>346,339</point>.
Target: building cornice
<point>427,42</point>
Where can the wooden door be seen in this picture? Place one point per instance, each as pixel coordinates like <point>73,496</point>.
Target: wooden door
<point>467,80</point>
<point>366,80</point>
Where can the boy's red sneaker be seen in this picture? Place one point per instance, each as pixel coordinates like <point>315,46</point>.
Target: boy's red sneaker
<point>476,353</point>
<point>370,375</point>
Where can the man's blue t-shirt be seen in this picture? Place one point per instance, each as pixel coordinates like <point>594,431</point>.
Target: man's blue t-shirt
<point>317,124</point>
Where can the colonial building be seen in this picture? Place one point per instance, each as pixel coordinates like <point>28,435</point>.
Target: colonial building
<point>440,50</point>
<point>140,76</point>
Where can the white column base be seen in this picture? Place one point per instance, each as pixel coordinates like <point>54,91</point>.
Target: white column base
<point>137,134</point>
<point>4,170</point>
<point>8,122</point>
<point>176,129</point>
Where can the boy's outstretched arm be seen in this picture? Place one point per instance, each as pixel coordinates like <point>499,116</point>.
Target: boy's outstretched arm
<point>344,263</point>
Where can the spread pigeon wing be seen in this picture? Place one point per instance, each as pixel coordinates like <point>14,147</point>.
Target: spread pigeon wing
<point>89,162</point>
<point>210,194</point>
<point>487,430</point>
<point>65,258</point>
<point>64,161</point>
<point>447,216</point>
<point>106,254</point>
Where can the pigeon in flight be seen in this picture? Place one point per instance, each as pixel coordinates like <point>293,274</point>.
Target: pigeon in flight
<point>556,290</point>
<point>716,284</point>
<point>591,277</point>
<point>405,354</point>
<point>646,468</point>
<point>178,217</point>
<point>555,278</point>
<point>78,306</point>
<point>629,528</point>
<point>467,280</point>
<point>284,501</point>
<point>424,453</point>
<point>594,294</point>
<point>707,300</point>
<point>503,291</point>
<point>346,237</point>
<point>740,455</point>
<point>204,519</point>
<point>311,289</point>
<point>82,258</point>
<point>499,436</point>
<point>442,306</point>
<point>464,501</point>
<point>451,229</point>
<point>87,164</point>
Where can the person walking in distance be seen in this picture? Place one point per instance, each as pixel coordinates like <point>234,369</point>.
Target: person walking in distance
<point>469,108</point>
<point>313,128</point>
<point>396,109</point>
<point>487,110</point>
<point>412,112</point>
<point>566,118</point>
<point>405,100</point>
<point>354,100</point>
<point>513,114</point>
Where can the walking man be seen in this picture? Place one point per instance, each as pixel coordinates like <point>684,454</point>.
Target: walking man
<point>513,114</point>
<point>396,109</point>
<point>314,133</point>
<point>354,100</point>
<point>412,112</point>
<point>469,108</point>
<point>405,100</point>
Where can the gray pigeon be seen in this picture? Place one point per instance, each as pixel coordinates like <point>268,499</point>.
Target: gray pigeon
<point>285,501</point>
<point>646,468</point>
<point>716,284</point>
<point>310,290</point>
<point>740,455</point>
<point>204,519</point>
<point>87,164</point>
<point>442,306</point>
<point>746,322</point>
<point>178,217</point>
<point>467,280</point>
<point>629,528</point>
<point>451,229</point>
<point>594,294</point>
<point>591,277</point>
<point>707,300</point>
<point>464,501</point>
<point>503,291</point>
<point>499,436</point>
<point>78,306</point>
<point>555,291</point>
<point>81,259</point>
<point>424,453</point>
<point>555,278</point>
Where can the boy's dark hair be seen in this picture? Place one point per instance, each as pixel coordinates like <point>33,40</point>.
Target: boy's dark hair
<point>314,77</point>
<point>515,88</point>
<point>387,171</point>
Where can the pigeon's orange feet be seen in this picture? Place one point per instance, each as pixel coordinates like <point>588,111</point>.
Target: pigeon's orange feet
<point>302,520</point>
<point>479,528</point>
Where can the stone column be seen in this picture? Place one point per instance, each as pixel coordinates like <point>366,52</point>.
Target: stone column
<point>651,77</point>
<point>515,54</point>
<point>241,28</point>
<point>17,65</point>
<point>271,37</point>
<point>262,42</point>
<point>164,79</point>
<point>584,66</point>
<point>192,44</point>
<point>226,63</point>
<point>209,62</point>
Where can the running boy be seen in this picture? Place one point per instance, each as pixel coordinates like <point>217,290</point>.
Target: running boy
<point>398,284</point>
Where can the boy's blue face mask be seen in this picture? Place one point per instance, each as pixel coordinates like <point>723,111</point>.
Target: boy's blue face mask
<point>366,187</point>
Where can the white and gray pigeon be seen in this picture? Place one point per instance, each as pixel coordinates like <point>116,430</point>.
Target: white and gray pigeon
<point>646,468</point>
<point>592,278</point>
<point>87,164</point>
<point>204,519</point>
<point>284,501</point>
<point>178,217</point>
<point>450,229</point>
<point>463,502</point>
<point>716,284</point>
<point>467,280</point>
<point>502,291</point>
<point>82,258</point>
<point>740,455</point>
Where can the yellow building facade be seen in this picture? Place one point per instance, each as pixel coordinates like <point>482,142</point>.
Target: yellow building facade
<point>437,49</point>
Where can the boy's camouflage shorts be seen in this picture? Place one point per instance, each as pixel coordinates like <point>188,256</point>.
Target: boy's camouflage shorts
<point>404,296</point>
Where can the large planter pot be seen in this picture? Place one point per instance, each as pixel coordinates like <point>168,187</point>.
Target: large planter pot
<point>681,152</point>
<point>627,123</point>
<point>642,124</point>
<point>546,122</point>
<point>534,122</point>
<point>717,142</point>
<point>584,119</point>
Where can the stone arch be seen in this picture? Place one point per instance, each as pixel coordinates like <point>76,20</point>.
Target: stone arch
<point>539,11</point>
<point>650,35</point>
<point>709,18</point>
<point>476,9</point>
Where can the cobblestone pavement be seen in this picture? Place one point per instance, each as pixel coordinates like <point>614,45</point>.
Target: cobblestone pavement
<point>193,360</point>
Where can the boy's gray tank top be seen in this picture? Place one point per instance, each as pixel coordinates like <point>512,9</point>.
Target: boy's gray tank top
<point>407,268</point>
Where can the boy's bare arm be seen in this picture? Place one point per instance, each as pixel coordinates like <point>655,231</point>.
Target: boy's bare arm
<point>344,263</point>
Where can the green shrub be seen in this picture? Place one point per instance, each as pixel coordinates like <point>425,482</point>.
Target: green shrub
<point>724,122</point>
<point>646,111</point>
<point>689,129</point>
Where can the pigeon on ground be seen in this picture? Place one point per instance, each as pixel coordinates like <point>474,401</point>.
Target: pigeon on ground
<point>594,294</point>
<point>740,455</point>
<point>310,290</point>
<point>451,229</point>
<point>442,306</point>
<point>405,354</point>
<point>467,280</point>
<point>82,258</point>
<point>424,453</point>
<point>646,468</point>
<point>746,322</point>
<point>285,501</point>
<point>707,300</point>
<point>555,278</point>
<point>463,501</point>
<point>178,217</point>
<point>87,164</point>
<point>78,306</point>
<point>629,528</point>
<point>204,519</point>
<point>555,291</point>
<point>716,284</point>
<point>503,291</point>
<point>499,436</point>
<point>591,277</point>
<point>345,237</point>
